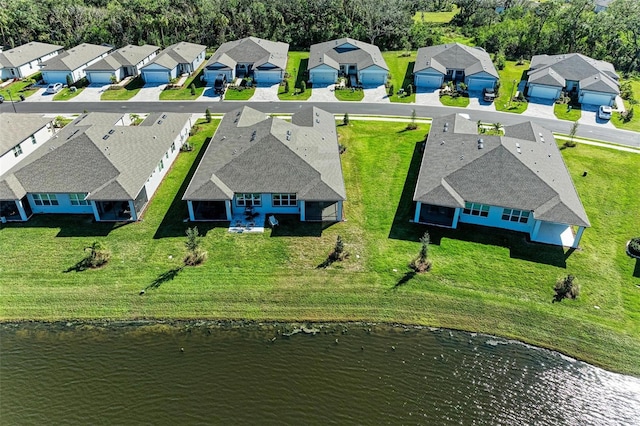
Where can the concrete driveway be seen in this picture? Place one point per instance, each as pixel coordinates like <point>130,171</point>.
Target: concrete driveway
<point>268,93</point>
<point>323,93</point>
<point>477,102</point>
<point>209,95</point>
<point>39,96</point>
<point>149,92</point>
<point>376,94</point>
<point>90,93</point>
<point>428,97</point>
<point>590,116</point>
<point>542,108</point>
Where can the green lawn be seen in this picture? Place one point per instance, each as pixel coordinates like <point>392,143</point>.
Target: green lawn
<point>482,280</point>
<point>124,94</point>
<point>563,112</point>
<point>348,94</point>
<point>183,93</point>
<point>634,124</point>
<point>401,70</point>
<point>15,89</point>
<point>239,93</point>
<point>66,94</point>
<point>460,101</point>
<point>296,68</point>
<point>435,17</point>
<point>510,77</point>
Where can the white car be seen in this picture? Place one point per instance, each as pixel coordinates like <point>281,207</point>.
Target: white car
<point>54,88</point>
<point>604,112</point>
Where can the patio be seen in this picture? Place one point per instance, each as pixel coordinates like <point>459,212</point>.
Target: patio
<point>249,221</point>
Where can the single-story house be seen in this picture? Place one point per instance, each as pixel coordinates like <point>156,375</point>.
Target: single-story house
<point>99,164</point>
<point>73,62</point>
<point>264,60</point>
<point>270,166</point>
<point>347,57</point>
<point>518,181</point>
<point>21,135</point>
<point>22,61</point>
<point>175,60</point>
<point>595,82</point>
<point>454,62</point>
<point>124,62</point>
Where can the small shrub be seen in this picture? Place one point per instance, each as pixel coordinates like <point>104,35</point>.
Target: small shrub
<point>634,246</point>
<point>520,61</point>
<point>98,255</point>
<point>409,89</point>
<point>192,87</point>
<point>627,115</point>
<point>207,115</point>
<point>195,255</point>
<point>69,80</point>
<point>422,262</point>
<point>412,125</point>
<point>566,288</point>
<point>303,86</point>
<point>500,60</point>
<point>391,89</point>
<point>626,91</point>
<point>342,149</point>
<point>286,86</point>
<point>345,119</point>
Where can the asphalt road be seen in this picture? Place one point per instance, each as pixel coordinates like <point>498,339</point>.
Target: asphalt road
<point>623,137</point>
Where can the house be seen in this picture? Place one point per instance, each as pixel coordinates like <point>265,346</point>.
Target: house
<point>264,60</point>
<point>73,63</point>
<point>99,164</point>
<point>124,62</point>
<point>21,135</point>
<point>601,5</point>
<point>454,62</point>
<point>270,166</point>
<point>593,81</point>
<point>517,182</point>
<point>347,57</point>
<point>22,61</point>
<point>175,60</point>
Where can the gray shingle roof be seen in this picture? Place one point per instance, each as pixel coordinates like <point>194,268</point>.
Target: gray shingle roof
<point>522,170</point>
<point>129,55</point>
<point>26,53</point>
<point>251,50</point>
<point>454,56</point>
<point>554,70</point>
<point>81,158</point>
<point>15,128</point>
<point>329,53</point>
<point>74,58</point>
<point>179,53</point>
<point>253,153</point>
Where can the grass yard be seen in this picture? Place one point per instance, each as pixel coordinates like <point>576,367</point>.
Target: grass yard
<point>239,93</point>
<point>17,88</point>
<point>349,95</point>
<point>459,101</point>
<point>183,93</point>
<point>66,94</point>
<point>563,112</point>
<point>401,70</point>
<point>482,280</point>
<point>297,63</point>
<point>125,93</point>
<point>435,17</point>
<point>634,124</point>
<point>510,77</point>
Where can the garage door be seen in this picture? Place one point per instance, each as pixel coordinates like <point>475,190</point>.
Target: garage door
<point>265,77</point>
<point>428,81</point>
<point>323,77</point>
<point>595,99</point>
<point>155,76</point>
<point>543,92</point>
<point>373,79</point>
<point>480,83</point>
<point>99,77</point>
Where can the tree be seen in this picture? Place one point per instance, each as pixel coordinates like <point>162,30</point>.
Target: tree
<point>193,89</point>
<point>345,119</point>
<point>566,288</point>
<point>422,262</point>
<point>409,89</point>
<point>412,125</point>
<point>207,115</point>
<point>303,86</point>
<point>387,18</point>
<point>69,80</point>
<point>195,254</point>
<point>98,255</point>
<point>572,133</point>
<point>391,90</point>
<point>286,85</point>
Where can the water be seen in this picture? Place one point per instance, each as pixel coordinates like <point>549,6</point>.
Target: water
<point>346,374</point>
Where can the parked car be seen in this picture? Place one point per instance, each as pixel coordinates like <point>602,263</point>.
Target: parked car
<point>604,112</point>
<point>488,94</point>
<point>1,99</point>
<point>54,88</point>
<point>220,84</point>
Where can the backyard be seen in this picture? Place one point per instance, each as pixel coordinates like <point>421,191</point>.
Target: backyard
<point>297,63</point>
<point>482,280</point>
<point>401,69</point>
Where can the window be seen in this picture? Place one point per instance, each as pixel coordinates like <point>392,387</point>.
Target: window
<point>513,215</point>
<point>283,200</point>
<point>160,166</point>
<point>475,209</point>
<point>78,199</point>
<point>166,155</point>
<point>33,140</point>
<point>17,151</point>
<point>248,200</point>
<point>45,199</point>
<point>173,147</point>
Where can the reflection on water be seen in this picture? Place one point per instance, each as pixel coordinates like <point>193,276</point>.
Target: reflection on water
<point>343,374</point>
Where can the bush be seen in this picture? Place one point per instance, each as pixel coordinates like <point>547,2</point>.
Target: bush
<point>627,115</point>
<point>207,115</point>
<point>500,60</point>
<point>345,119</point>
<point>634,246</point>
<point>303,86</point>
<point>98,255</point>
<point>195,255</point>
<point>192,88</point>
<point>566,288</point>
<point>422,262</point>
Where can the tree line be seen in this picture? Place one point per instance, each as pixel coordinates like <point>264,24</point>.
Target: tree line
<point>513,28</point>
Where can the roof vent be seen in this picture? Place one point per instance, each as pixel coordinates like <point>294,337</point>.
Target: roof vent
<point>111,131</point>
<point>462,157</point>
<point>480,145</point>
<point>442,143</point>
<point>164,115</point>
<point>105,137</point>
<point>253,136</point>
<point>518,150</point>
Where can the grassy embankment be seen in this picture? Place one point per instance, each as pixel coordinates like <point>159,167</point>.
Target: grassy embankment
<point>482,280</point>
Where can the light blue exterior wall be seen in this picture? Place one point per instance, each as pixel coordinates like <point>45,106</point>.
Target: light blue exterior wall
<point>64,206</point>
<point>494,220</point>
<point>210,75</point>
<point>267,206</point>
<point>56,76</point>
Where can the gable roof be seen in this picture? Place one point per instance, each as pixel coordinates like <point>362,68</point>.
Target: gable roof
<point>15,128</point>
<point>26,53</point>
<point>522,170</point>
<point>251,50</point>
<point>76,57</point>
<point>254,153</point>
<point>333,53</point>
<point>128,55</point>
<point>96,155</point>
<point>179,53</point>
<point>472,60</point>
<point>555,69</point>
